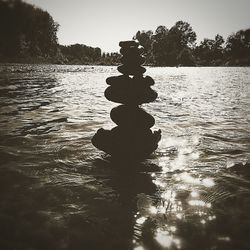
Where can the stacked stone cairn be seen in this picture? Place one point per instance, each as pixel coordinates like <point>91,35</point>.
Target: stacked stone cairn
<point>132,139</point>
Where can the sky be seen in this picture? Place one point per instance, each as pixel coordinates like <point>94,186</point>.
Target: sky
<point>103,23</point>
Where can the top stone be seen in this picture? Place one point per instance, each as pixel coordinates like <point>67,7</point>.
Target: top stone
<point>128,44</point>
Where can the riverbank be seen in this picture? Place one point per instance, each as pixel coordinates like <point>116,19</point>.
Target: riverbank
<point>109,62</point>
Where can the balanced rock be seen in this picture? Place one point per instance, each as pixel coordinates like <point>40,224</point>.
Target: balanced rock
<point>132,139</point>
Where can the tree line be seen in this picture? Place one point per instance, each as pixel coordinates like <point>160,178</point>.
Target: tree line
<point>29,34</point>
<point>177,46</point>
<point>82,54</point>
<point>26,32</point>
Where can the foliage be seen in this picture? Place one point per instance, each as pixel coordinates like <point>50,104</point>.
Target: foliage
<point>177,46</point>
<point>210,52</point>
<point>238,47</point>
<point>145,39</point>
<point>79,53</point>
<point>82,54</point>
<point>26,31</point>
<point>29,34</point>
<point>169,47</point>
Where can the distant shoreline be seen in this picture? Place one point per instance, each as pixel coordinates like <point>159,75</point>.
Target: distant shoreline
<point>55,61</point>
<point>114,65</point>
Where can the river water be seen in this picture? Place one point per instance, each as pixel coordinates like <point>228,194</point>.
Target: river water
<point>59,192</point>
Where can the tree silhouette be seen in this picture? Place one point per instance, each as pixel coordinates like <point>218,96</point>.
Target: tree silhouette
<point>173,47</point>
<point>184,34</point>
<point>26,30</point>
<point>238,47</point>
<point>145,39</point>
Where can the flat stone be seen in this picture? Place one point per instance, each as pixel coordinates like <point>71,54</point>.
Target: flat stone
<point>127,144</point>
<point>121,80</point>
<point>141,80</point>
<point>132,51</point>
<point>130,94</point>
<point>130,70</point>
<point>135,82</point>
<point>133,60</point>
<point>132,117</point>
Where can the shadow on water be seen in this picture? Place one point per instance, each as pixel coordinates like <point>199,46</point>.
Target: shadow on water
<point>131,183</point>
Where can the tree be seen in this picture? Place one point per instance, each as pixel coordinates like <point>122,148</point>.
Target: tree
<point>238,46</point>
<point>26,31</point>
<point>160,45</point>
<point>174,46</point>
<point>210,51</point>
<point>218,47</point>
<point>184,34</point>
<point>82,54</point>
<point>145,39</point>
<point>204,52</point>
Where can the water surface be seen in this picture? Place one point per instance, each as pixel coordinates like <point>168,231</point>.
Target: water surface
<point>59,192</point>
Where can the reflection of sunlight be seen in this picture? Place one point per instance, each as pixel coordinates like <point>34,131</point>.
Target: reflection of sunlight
<point>141,220</point>
<point>139,248</point>
<point>163,161</point>
<point>179,163</point>
<point>203,221</point>
<point>172,229</point>
<point>183,150</point>
<point>159,183</point>
<point>196,139</point>
<point>194,194</point>
<point>180,199</point>
<point>173,142</point>
<point>186,177</point>
<point>199,203</point>
<point>224,238</point>
<point>153,210</point>
<point>211,217</point>
<point>165,239</point>
<point>179,216</point>
<point>182,187</point>
<point>164,164</point>
<point>161,210</point>
<point>168,195</point>
<point>208,182</point>
<point>195,155</point>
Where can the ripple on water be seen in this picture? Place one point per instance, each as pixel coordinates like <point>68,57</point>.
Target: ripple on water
<point>193,193</point>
